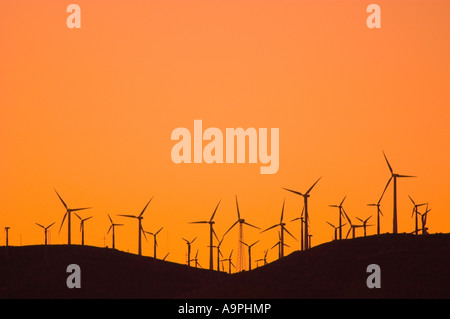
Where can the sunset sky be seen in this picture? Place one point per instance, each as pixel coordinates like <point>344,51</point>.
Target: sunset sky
<point>90,111</point>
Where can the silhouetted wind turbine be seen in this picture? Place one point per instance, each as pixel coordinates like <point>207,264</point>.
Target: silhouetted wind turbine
<point>197,264</point>
<point>82,227</point>
<point>230,262</point>
<point>279,245</point>
<point>265,257</point>
<point>241,222</point>
<point>394,176</point>
<point>189,249</point>
<point>377,205</point>
<point>250,254</point>
<point>340,217</point>
<point>364,225</point>
<point>305,198</point>
<point>424,221</point>
<point>68,214</point>
<point>113,232</point>
<point>352,227</point>
<point>211,232</point>
<point>336,228</point>
<point>140,229</point>
<point>416,212</point>
<point>155,243</point>
<point>282,229</point>
<point>302,222</point>
<point>219,253</point>
<point>45,230</point>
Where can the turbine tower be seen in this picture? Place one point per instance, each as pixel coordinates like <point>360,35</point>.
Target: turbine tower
<point>189,249</point>
<point>155,243</point>
<point>211,233</point>
<point>113,232</point>
<point>68,215</point>
<point>82,227</point>
<point>282,230</point>
<point>305,198</point>
<point>394,176</point>
<point>140,229</point>
<point>242,222</point>
<point>340,217</point>
<point>250,254</point>
<point>45,231</point>
<point>416,212</point>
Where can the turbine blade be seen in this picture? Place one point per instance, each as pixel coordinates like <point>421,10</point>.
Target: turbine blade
<point>142,213</point>
<point>331,224</point>
<point>313,186</point>
<point>343,201</point>
<point>282,212</point>
<point>389,165</point>
<point>215,210</point>
<point>61,199</point>
<point>64,218</point>
<point>193,240</point>
<point>243,243</point>
<point>384,190</point>
<point>214,233</point>
<point>200,222</point>
<point>411,200</point>
<point>251,225</point>
<point>254,243</point>
<point>159,231</point>
<point>292,191</point>
<point>110,219</point>
<point>40,225</point>
<point>287,231</point>
<point>296,218</point>
<point>130,216</point>
<point>109,229</point>
<point>237,206</point>
<point>231,227</point>
<point>78,216</point>
<point>50,225</point>
<point>405,176</point>
<point>270,228</point>
<point>77,209</point>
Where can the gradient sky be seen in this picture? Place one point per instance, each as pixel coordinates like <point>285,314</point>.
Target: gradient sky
<point>90,112</point>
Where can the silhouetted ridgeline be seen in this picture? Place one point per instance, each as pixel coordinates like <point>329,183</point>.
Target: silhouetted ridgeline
<point>411,267</point>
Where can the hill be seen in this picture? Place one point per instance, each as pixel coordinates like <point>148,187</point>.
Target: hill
<point>411,267</point>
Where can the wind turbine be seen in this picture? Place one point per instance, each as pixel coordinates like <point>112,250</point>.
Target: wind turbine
<point>113,232</point>
<point>140,229</point>
<point>364,225</point>
<point>82,227</point>
<point>336,228</point>
<point>377,205</point>
<point>279,245</point>
<point>282,229</point>
<point>265,257</point>
<point>394,176</point>
<point>305,198</point>
<point>155,243</point>
<point>424,221</point>
<point>352,227</point>
<point>219,253</point>
<point>189,249</point>
<point>68,214</point>
<point>340,217</point>
<point>230,262</point>
<point>241,222</point>
<point>302,222</point>
<point>45,230</point>
<point>250,254</point>
<point>211,232</point>
<point>416,212</point>
<point>197,264</point>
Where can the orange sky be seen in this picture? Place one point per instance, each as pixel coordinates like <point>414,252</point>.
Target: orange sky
<point>90,112</point>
